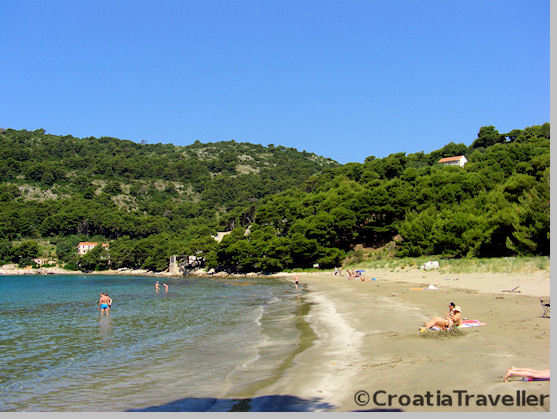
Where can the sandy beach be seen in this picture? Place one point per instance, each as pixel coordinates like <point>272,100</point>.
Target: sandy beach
<point>364,337</point>
<point>367,339</point>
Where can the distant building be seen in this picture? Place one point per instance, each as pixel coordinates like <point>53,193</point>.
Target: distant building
<point>220,235</point>
<point>39,262</point>
<point>84,247</point>
<point>453,161</point>
<point>42,261</point>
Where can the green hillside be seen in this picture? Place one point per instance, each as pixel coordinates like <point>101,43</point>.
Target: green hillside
<point>496,205</point>
<point>62,187</point>
<point>285,208</point>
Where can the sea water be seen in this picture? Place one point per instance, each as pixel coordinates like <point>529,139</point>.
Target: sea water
<point>191,347</point>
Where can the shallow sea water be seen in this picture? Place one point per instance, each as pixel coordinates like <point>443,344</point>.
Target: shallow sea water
<point>201,342</point>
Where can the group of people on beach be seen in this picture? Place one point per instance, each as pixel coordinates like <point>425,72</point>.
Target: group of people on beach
<point>350,274</point>
<point>355,275</point>
<point>157,287</point>
<point>105,303</point>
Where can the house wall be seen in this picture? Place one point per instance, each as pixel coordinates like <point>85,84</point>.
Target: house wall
<point>460,163</point>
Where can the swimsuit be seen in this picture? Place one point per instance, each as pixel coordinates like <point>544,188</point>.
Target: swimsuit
<point>104,306</point>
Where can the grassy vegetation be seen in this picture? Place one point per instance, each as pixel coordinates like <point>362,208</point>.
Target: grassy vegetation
<point>466,265</point>
<point>46,249</point>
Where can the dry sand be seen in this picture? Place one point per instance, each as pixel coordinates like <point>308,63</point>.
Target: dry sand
<point>367,338</point>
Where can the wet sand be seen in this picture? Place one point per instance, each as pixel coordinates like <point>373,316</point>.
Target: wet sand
<point>367,339</point>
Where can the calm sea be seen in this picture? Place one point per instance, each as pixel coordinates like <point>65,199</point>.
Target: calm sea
<point>196,345</point>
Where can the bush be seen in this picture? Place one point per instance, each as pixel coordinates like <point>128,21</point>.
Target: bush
<point>24,253</point>
<point>5,251</point>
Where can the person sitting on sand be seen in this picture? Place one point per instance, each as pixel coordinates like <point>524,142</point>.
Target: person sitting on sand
<point>453,319</point>
<point>527,373</point>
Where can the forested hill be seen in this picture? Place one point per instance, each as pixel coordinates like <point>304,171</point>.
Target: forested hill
<point>224,173</point>
<point>284,208</point>
<point>67,189</point>
<point>496,205</point>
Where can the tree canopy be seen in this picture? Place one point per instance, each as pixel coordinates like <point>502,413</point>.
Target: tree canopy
<point>285,208</point>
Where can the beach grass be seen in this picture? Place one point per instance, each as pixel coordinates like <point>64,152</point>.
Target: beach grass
<point>465,265</point>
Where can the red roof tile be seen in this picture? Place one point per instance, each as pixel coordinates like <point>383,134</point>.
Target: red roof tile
<point>447,159</point>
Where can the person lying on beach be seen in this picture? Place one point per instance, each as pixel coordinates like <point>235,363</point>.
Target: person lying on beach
<point>453,319</point>
<point>528,373</point>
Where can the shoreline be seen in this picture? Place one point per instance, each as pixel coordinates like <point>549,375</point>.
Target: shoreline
<point>365,339</point>
<point>317,374</point>
<point>536,283</point>
<point>531,283</point>
<point>383,350</point>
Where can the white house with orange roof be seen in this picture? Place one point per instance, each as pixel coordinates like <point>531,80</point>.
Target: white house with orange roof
<point>453,161</point>
<point>84,247</point>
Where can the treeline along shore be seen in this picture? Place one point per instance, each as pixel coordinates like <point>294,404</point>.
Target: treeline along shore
<point>271,208</point>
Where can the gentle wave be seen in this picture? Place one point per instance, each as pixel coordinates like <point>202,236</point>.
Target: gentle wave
<point>61,354</point>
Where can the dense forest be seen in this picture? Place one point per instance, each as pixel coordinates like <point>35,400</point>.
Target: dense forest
<point>283,208</point>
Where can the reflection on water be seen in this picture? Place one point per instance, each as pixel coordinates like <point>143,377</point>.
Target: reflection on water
<point>59,353</point>
<point>105,325</point>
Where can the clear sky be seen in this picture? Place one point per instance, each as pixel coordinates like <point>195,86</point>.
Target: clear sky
<point>343,79</point>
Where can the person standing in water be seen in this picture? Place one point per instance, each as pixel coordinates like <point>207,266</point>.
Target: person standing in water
<point>296,282</point>
<point>165,287</point>
<point>157,287</point>
<point>103,303</point>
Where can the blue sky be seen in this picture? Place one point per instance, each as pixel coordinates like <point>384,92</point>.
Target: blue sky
<point>343,79</point>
